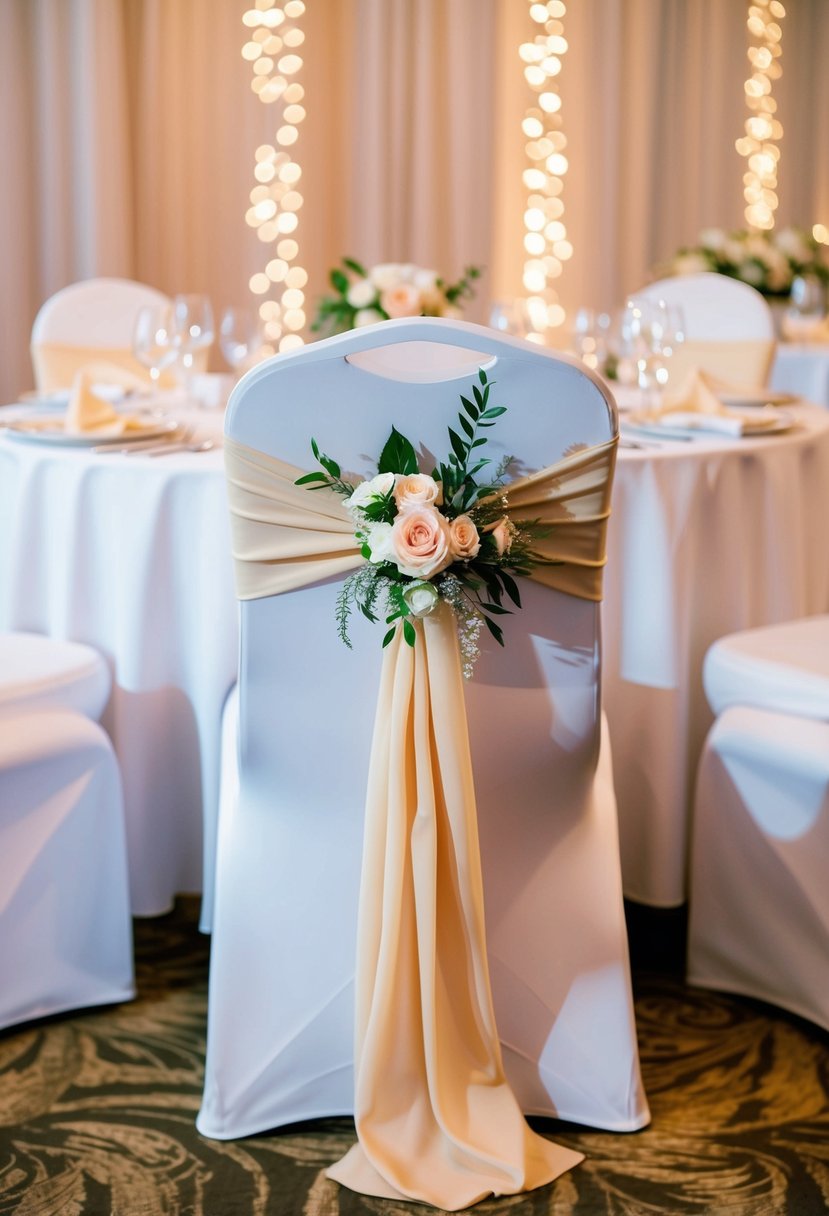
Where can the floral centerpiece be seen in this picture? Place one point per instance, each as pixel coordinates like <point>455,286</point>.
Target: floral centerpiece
<point>432,537</point>
<point>768,261</point>
<point>363,296</point>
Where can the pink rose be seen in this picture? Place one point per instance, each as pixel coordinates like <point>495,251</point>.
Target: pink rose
<point>401,301</point>
<point>502,533</point>
<point>464,539</point>
<point>420,539</point>
<point>417,490</point>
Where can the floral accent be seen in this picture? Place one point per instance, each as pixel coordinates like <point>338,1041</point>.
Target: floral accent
<point>363,297</point>
<point>432,537</point>
<point>768,261</point>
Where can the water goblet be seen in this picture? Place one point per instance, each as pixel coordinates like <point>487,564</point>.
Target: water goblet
<point>153,339</point>
<point>240,337</point>
<point>193,329</point>
<point>807,308</point>
<point>511,317</point>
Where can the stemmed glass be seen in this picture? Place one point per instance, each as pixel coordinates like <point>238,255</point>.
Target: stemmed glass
<point>591,332</point>
<point>650,332</point>
<point>511,317</point>
<point>807,307</point>
<point>153,339</point>
<point>193,329</point>
<point>240,337</point>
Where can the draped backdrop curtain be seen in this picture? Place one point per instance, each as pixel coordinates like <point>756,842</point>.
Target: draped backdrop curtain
<point>128,130</point>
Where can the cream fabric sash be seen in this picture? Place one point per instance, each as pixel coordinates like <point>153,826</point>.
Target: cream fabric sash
<point>436,1119</point>
<point>743,365</point>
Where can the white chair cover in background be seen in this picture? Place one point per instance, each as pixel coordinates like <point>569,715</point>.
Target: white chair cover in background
<point>86,323</point>
<point>65,931</point>
<point>729,328</point>
<point>759,904</point>
<point>281,1019</point>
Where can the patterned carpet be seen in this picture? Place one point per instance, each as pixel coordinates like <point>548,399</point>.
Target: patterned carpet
<point>97,1111</point>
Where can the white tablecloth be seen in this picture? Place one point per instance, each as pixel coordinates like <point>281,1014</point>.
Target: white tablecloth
<point>131,554</point>
<point>707,537</point>
<point>802,368</point>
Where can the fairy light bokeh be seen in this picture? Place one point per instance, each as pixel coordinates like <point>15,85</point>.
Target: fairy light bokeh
<point>274,51</point>
<point>545,236</point>
<point>763,131</point>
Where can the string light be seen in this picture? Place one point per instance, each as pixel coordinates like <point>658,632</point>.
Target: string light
<point>274,52</point>
<point>763,130</point>
<point>545,236</point>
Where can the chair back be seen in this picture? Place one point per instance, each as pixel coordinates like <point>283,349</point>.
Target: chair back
<point>87,322</point>
<point>729,327</point>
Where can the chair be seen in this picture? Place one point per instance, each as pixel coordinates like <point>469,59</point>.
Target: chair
<point>87,322</point>
<point>729,328</point>
<point>759,901</point>
<point>65,930</point>
<point>281,1021</point>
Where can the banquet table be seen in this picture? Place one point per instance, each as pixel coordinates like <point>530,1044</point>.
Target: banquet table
<point>802,368</point>
<point>707,536</point>
<point>132,555</point>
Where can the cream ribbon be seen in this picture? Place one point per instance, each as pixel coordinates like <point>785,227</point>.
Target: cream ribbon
<point>744,365</point>
<point>436,1119</point>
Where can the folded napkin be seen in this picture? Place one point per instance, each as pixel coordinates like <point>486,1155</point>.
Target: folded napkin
<point>696,406</point>
<point>806,329</point>
<point>89,413</point>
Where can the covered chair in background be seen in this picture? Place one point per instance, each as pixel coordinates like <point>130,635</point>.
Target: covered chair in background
<point>65,930</point>
<point>282,984</point>
<point>759,897</point>
<point>729,328</point>
<point>87,323</point>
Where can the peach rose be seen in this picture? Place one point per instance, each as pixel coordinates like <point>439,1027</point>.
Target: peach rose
<point>502,533</point>
<point>464,539</point>
<point>420,538</point>
<point>401,301</point>
<point>417,490</point>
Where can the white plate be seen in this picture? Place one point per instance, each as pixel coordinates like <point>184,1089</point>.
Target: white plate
<point>50,430</point>
<point>780,422</point>
<point>755,400</point>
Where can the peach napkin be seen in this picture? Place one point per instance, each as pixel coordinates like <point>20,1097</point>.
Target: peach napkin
<point>696,405</point>
<point>90,413</point>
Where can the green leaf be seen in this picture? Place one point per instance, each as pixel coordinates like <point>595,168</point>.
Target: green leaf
<point>494,411</point>
<point>511,588</point>
<point>494,629</point>
<point>409,634</point>
<point>398,456</point>
<point>482,375</point>
<point>339,281</point>
<point>497,610</point>
<point>479,443</point>
<point>468,428</point>
<point>356,267</point>
<point>314,448</point>
<point>389,635</point>
<point>476,393</point>
<point>368,613</point>
<point>330,465</point>
<point>303,481</point>
<point>366,552</point>
<point>472,410</point>
<point>459,447</point>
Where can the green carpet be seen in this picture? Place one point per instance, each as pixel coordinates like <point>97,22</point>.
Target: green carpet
<point>97,1114</point>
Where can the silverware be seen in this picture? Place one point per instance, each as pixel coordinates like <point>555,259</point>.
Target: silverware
<point>204,446</point>
<point>179,435</point>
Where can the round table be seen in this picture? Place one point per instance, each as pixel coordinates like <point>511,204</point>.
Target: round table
<point>707,537</point>
<point>131,554</point>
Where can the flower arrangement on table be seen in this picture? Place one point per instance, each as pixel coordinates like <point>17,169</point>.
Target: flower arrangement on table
<point>432,537</point>
<point>768,261</point>
<point>362,297</point>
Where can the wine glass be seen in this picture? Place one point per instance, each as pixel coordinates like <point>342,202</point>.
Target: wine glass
<point>240,337</point>
<point>193,329</point>
<point>511,317</point>
<point>153,339</point>
<point>591,332</point>
<point>807,307</point>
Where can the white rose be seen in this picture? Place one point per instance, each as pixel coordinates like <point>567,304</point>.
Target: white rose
<point>367,316</point>
<point>691,263</point>
<point>407,272</point>
<point>384,276</point>
<point>734,250</point>
<point>417,490</point>
<point>425,280</point>
<point>361,294</point>
<point>381,543</point>
<point>712,238</point>
<point>750,273</point>
<point>368,491</point>
<point>421,598</point>
<point>790,242</point>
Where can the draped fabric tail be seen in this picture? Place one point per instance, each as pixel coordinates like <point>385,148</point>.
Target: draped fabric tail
<point>436,1119</point>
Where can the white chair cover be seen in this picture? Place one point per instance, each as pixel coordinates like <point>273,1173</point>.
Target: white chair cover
<point>38,672</point>
<point>65,930</point>
<point>779,667</point>
<point>759,900</point>
<point>281,999</point>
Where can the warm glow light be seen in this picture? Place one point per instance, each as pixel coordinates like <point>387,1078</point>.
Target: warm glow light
<point>545,236</point>
<point>759,144</point>
<point>275,200</point>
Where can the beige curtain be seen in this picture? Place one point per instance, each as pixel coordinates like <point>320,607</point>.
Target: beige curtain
<point>128,128</point>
